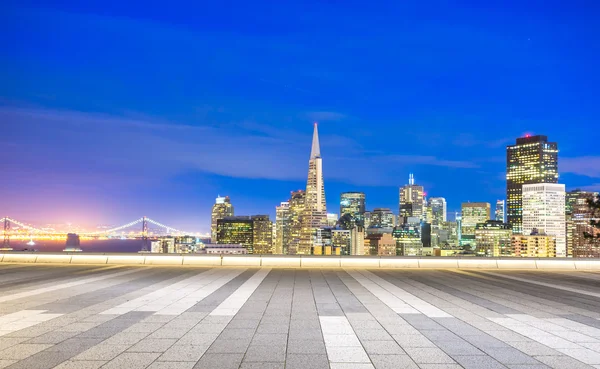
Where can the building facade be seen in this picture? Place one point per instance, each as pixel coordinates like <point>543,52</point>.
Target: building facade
<point>500,212</point>
<point>221,209</point>
<point>412,202</point>
<point>531,160</point>
<point>473,213</point>
<point>493,239</point>
<point>297,206</point>
<point>353,203</point>
<point>578,217</point>
<point>438,210</point>
<point>236,231</point>
<point>283,228</point>
<point>315,210</point>
<point>544,210</point>
<point>382,218</point>
<point>262,238</point>
<point>535,245</point>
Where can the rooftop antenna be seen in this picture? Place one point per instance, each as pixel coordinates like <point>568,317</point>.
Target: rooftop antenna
<point>411,179</point>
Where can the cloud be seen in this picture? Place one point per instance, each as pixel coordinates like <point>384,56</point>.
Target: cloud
<point>321,116</point>
<point>593,187</point>
<point>588,166</point>
<point>470,140</point>
<point>430,160</point>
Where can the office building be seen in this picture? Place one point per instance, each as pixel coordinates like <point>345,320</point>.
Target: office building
<point>445,235</point>
<point>408,239</point>
<point>531,160</point>
<point>382,218</point>
<point>499,214</point>
<point>382,244</point>
<point>315,210</point>
<point>283,227</point>
<point>438,210</point>
<point>236,231</point>
<point>544,210</point>
<point>332,220</point>
<point>221,209</point>
<point>262,238</point>
<point>473,213</point>
<point>340,238</point>
<point>367,219</point>
<point>493,239</point>
<point>412,200</point>
<point>353,203</point>
<point>578,217</point>
<point>535,245</point>
<point>297,205</point>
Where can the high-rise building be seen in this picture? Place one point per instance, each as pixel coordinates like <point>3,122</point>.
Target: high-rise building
<point>297,205</point>
<point>408,239</point>
<point>382,244</point>
<point>412,200</point>
<point>493,239</point>
<point>438,210</point>
<point>236,231</point>
<point>536,245</point>
<point>579,215</point>
<point>382,218</point>
<point>473,213</point>
<point>353,203</point>
<point>544,210</point>
<point>283,227</point>
<point>315,209</point>
<point>332,220</point>
<point>262,238</point>
<point>499,215</point>
<point>221,209</point>
<point>531,160</point>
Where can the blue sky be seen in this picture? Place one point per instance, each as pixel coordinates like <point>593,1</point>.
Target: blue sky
<point>114,110</point>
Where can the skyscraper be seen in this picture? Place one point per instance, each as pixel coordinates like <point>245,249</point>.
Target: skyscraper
<point>382,218</point>
<point>544,211</point>
<point>283,227</point>
<point>531,160</point>
<point>412,200</point>
<point>262,237</point>
<point>315,210</point>
<point>472,214</point>
<point>353,203</point>
<point>236,231</point>
<point>579,216</point>
<point>493,239</point>
<point>499,215</point>
<point>438,210</point>
<point>221,209</point>
<point>297,205</point>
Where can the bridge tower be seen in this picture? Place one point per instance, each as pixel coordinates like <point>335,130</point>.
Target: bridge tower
<point>6,243</point>
<point>144,234</point>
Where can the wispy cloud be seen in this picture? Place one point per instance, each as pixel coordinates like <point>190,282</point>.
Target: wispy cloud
<point>588,166</point>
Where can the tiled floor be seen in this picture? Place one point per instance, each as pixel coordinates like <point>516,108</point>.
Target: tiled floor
<point>158,317</point>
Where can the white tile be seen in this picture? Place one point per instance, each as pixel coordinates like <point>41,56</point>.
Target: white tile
<point>347,355</point>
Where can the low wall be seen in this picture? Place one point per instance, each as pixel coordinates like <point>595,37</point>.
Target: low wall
<point>284,261</point>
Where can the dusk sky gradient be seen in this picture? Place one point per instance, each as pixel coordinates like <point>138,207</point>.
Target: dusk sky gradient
<point>114,110</point>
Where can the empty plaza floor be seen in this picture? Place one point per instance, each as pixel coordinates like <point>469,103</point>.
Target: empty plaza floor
<point>86,317</point>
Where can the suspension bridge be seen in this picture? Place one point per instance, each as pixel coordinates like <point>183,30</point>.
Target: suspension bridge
<point>139,228</point>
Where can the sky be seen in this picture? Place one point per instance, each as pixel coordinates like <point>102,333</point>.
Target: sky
<point>110,111</point>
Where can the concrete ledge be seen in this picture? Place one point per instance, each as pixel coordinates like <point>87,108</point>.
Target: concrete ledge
<point>250,260</point>
<point>438,263</point>
<point>516,263</point>
<point>477,263</point>
<point>360,262</point>
<point>202,260</point>
<point>89,259</point>
<point>19,258</point>
<point>587,264</point>
<point>164,260</point>
<point>126,259</point>
<point>320,262</point>
<point>555,264</point>
<point>54,258</point>
<point>399,263</point>
<point>281,261</point>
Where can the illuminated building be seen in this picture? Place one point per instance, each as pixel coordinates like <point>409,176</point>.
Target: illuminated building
<point>163,245</point>
<point>340,238</point>
<point>297,204</point>
<point>473,213</point>
<point>445,235</point>
<point>412,202</point>
<point>438,210</point>
<point>579,215</point>
<point>353,203</point>
<point>381,244</point>
<point>332,220</point>
<point>283,227</point>
<point>408,240</point>
<point>315,210</point>
<point>499,214</point>
<point>493,239</point>
<point>382,218</point>
<point>324,243</point>
<point>236,231</point>
<point>531,160</point>
<point>221,209</point>
<point>544,210</point>
<point>225,249</point>
<point>185,244</point>
<point>536,245</point>
<point>367,219</point>
<point>262,238</point>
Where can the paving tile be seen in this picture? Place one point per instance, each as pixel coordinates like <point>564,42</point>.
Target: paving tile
<point>510,356</point>
<point>302,346</point>
<point>413,341</point>
<point>428,355</point>
<point>184,352</point>
<point>132,360</point>
<point>382,348</point>
<point>229,346</point>
<point>306,361</point>
<point>347,355</point>
<point>534,349</point>
<point>393,362</point>
<point>6,363</point>
<point>351,366</point>
<point>219,361</point>
<point>81,364</point>
<point>153,345</point>
<point>262,365</point>
<point>561,362</point>
<point>258,353</point>
<point>172,365</point>
<point>440,366</point>
<point>22,350</point>
<point>478,362</point>
<point>101,352</point>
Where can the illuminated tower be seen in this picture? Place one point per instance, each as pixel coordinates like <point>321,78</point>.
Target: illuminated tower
<point>283,227</point>
<point>315,211</point>
<point>531,160</point>
<point>499,215</point>
<point>296,214</point>
<point>544,211</point>
<point>412,202</point>
<point>353,203</point>
<point>221,209</point>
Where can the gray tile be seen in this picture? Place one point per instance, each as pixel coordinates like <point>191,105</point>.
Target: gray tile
<point>229,346</point>
<point>306,361</point>
<point>393,362</point>
<point>182,352</point>
<point>247,365</point>
<point>219,361</point>
<point>478,362</point>
<point>22,350</point>
<point>172,365</point>
<point>510,356</point>
<point>428,356</point>
<point>413,341</point>
<point>153,345</point>
<point>80,365</point>
<point>302,346</point>
<point>265,353</point>
<point>382,348</point>
<point>132,360</point>
<point>235,333</point>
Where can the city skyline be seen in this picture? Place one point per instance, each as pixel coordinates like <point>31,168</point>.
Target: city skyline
<point>94,135</point>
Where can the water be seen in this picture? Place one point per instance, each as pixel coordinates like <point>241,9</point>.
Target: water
<point>113,245</point>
